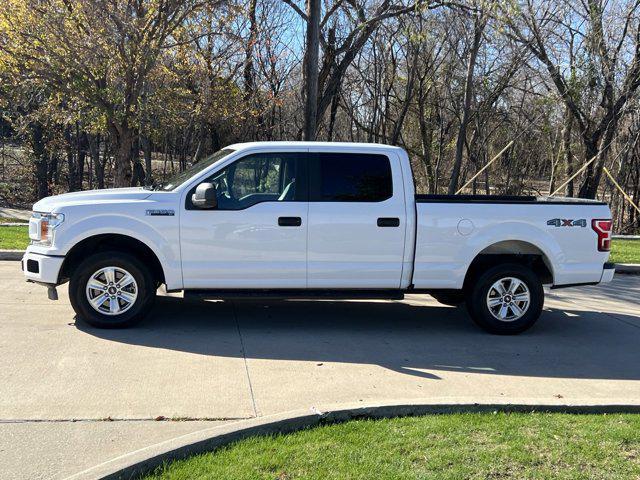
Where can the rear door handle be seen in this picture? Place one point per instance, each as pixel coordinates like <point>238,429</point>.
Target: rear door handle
<point>388,222</point>
<point>289,221</point>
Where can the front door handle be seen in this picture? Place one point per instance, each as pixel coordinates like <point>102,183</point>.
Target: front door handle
<point>289,221</point>
<point>388,222</point>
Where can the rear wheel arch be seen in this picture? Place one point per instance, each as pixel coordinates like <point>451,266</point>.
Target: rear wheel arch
<point>510,251</point>
<point>108,243</point>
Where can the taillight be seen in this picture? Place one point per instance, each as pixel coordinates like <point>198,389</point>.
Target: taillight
<point>603,229</point>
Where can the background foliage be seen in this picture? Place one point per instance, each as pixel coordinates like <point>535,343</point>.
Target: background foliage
<point>101,93</point>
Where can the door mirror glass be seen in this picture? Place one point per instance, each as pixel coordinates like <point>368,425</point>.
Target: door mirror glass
<point>205,196</point>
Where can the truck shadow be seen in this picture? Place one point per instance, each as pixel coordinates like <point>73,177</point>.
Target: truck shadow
<point>412,339</point>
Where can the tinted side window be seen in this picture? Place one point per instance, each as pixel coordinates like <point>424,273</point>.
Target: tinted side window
<point>351,177</point>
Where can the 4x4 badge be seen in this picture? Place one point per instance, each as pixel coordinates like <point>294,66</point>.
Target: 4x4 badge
<point>563,222</point>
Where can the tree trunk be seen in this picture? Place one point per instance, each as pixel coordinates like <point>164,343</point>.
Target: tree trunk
<point>311,56</point>
<point>589,187</point>
<point>409,90</point>
<point>81,155</point>
<point>487,186</point>
<point>426,137</point>
<point>332,117</point>
<point>98,166</point>
<point>568,154</point>
<point>40,153</point>
<point>52,168</point>
<point>71,165</point>
<point>468,95</point>
<point>591,150</point>
<point>146,148</point>
<point>248,74</point>
<point>123,137</point>
<point>138,174</point>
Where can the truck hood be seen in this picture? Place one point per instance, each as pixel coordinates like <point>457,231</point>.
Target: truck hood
<point>90,197</point>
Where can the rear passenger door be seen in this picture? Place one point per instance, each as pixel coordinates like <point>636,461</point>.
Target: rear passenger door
<point>356,220</point>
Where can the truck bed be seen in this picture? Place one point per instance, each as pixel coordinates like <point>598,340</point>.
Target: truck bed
<point>452,230</point>
<point>542,200</point>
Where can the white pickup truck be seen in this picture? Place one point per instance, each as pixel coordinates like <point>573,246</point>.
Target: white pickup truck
<point>302,219</point>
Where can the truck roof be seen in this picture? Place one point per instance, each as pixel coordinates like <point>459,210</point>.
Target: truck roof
<point>348,145</point>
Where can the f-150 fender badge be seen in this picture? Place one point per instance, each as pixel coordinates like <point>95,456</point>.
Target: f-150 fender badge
<point>161,213</point>
<point>563,222</point>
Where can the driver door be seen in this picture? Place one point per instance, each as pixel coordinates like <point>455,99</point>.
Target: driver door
<point>257,235</point>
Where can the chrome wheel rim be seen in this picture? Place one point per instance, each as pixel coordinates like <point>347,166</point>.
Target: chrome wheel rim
<point>508,299</point>
<point>111,291</point>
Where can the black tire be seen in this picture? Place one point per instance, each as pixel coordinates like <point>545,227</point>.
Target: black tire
<point>478,299</point>
<point>453,299</point>
<point>132,312</point>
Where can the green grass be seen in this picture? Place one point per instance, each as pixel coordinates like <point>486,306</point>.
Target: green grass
<point>622,251</point>
<point>470,446</point>
<point>14,238</point>
<point>625,251</point>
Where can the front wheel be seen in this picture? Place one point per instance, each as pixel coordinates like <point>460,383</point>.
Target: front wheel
<point>111,290</point>
<point>507,299</point>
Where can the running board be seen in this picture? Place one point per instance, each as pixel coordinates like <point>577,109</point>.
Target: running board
<point>283,294</point>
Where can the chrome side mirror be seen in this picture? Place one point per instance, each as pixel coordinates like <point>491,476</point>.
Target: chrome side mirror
<point>205,196</point>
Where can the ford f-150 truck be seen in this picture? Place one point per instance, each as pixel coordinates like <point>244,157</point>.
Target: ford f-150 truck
<point>312,219</point>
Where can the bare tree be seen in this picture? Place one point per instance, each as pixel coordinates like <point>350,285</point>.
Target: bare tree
<point>610,72</point>
<point>479,24</point>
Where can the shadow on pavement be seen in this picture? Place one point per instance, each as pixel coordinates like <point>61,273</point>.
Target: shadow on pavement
<point>399,336</point>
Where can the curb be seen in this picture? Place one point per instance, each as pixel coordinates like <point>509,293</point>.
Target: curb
<point>11,254</point>
<point>628,268</point>
<point>146,460</point>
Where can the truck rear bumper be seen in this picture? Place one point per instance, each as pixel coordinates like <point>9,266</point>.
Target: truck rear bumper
<point>41,268</point>
<point>608,271</point>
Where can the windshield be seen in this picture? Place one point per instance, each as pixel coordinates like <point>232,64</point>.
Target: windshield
<point>179,178</point>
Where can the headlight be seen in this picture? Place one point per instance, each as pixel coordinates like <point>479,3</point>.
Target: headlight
<point>42,226</point>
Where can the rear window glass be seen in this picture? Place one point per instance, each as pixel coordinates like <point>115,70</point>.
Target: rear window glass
<point>351,177</point>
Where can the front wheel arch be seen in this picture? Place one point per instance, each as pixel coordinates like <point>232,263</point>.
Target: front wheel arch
<point>112,242</point>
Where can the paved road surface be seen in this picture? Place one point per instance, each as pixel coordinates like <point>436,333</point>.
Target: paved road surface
<point>15,213</point>
<point>73,396</point>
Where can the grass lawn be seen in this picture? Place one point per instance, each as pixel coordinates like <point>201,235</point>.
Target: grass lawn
<point>12,220</point>
<point>478,446</point>
<point>625,251</point>
<point>14,238</point>
<point>622,251</point>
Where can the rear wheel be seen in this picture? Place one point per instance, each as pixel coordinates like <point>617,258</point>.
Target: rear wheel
<point>507,299</point>
<point>111,290</point>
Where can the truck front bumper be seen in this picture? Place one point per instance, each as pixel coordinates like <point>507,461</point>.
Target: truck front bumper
<point>41,268</point>
<point>608,270</point>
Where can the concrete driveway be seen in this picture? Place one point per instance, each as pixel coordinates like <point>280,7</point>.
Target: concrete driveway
<point>72,396</point>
